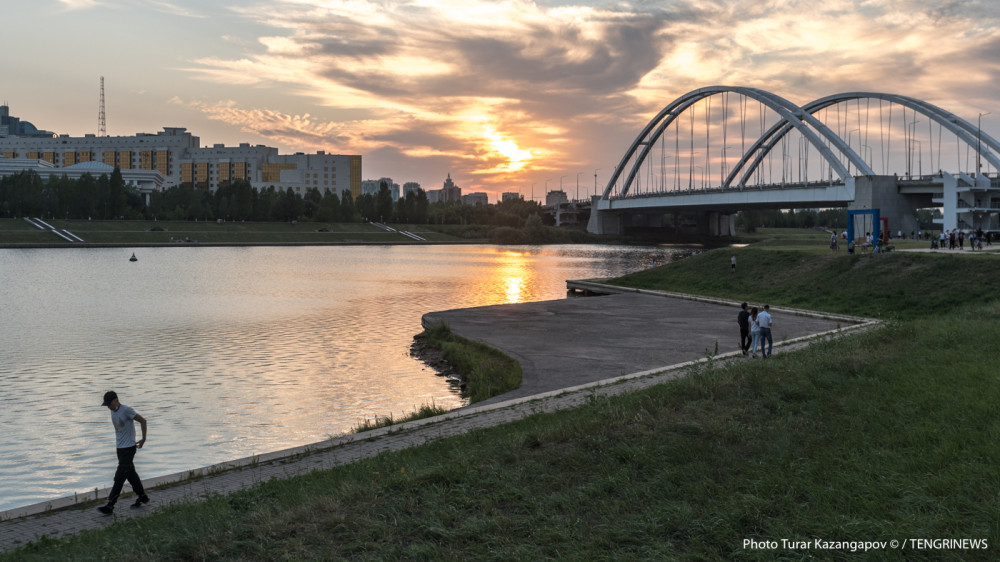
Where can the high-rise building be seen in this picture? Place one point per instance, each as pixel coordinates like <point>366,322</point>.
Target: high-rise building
<point>477,198</point>
<point>11,126</point>
<point>450,192</point>
<point>555,197</point>
<point>410,187</point>
<point>511,196</point>
<point>371,187</point>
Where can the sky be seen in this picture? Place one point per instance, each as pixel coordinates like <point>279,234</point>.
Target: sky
<point>502,95</point>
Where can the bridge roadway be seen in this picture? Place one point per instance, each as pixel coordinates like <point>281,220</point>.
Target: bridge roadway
<point>783,196</point>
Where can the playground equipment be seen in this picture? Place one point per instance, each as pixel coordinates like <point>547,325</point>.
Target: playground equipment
<point>870,221</point>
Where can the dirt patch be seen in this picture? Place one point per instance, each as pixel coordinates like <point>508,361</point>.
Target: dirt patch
<point>434,358</point>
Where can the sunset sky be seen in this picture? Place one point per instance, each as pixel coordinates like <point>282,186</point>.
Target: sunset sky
<point>501,95</point>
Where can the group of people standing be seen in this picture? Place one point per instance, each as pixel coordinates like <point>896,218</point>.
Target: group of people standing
<point>755,329</point>
<point>956,239</point>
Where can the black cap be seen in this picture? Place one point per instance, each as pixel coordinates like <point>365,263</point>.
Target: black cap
<point>108,397</point>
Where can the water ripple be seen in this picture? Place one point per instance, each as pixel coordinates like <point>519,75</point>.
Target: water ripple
<point>230,352</point>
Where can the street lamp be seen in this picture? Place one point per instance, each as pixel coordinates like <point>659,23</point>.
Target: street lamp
<point>979,142</point>
<point>578,185</point>
<point>920,159</point>
<point>909,150</point>
<point>595,179</point>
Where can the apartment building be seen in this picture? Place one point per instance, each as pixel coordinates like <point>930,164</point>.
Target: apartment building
<point>177,155</point>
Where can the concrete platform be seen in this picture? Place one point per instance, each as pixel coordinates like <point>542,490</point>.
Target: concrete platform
<point>569,342</point>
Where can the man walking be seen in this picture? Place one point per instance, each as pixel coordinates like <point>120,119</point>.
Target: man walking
<point>765,321</point>
<point>743,319</point>
<point>123,418</point>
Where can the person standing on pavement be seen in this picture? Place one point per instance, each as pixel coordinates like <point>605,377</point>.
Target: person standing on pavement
<point>743,319</point>
<point>766,322</point>
<point>754,332</point>
<point>123,418</point>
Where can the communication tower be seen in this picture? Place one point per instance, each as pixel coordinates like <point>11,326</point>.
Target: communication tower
<point>102,130</point>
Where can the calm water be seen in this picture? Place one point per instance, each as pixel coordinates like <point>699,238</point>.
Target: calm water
<point>230,352</point>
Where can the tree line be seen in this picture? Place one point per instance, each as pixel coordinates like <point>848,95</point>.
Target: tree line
<point>109,197</point>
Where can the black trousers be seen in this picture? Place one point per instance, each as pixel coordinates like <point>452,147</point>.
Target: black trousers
<point>744,339</point>
<point>126,471</point>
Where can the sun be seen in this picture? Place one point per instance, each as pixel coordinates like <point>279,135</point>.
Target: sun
<point>517,158</point>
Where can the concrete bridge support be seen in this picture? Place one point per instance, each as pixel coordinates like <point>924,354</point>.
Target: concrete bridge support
<point>882,193</point>
<point>605,222</point>
<point>718,224</point>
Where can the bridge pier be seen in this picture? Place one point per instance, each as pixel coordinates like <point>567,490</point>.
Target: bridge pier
<point>604,222</point>
<point>714,223</point>
<point>882,193</point>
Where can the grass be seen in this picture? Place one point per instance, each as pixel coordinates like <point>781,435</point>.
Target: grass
<point>13,232</point>
<point>424,411</point>
<point>886,435</point>
<point>892,285</point>
<point>485,371</point>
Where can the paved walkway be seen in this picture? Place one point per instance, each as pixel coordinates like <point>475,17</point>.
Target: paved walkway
<point>616,323</point>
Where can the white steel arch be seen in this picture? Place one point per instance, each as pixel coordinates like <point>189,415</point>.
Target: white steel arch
<point>792,115</point>
<point>985,145</point>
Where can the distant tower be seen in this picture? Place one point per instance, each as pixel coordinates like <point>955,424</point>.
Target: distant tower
<point>102,130</point>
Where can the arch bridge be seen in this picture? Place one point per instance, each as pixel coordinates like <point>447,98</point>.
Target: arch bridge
<point>718,150</point>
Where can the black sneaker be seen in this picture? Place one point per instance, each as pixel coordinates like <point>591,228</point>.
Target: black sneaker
<point>140,500</point>
<point>106,509</point>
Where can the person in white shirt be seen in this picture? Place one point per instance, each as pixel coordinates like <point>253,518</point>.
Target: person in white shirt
<point>123,418</point>
<point>766,322</point>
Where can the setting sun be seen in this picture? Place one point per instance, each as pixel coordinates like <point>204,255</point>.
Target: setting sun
<point>516,157</point>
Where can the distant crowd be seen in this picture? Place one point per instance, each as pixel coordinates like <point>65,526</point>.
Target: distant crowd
<point>951,239</point>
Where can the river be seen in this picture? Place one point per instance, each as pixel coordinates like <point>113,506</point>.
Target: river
<point>230,352</point>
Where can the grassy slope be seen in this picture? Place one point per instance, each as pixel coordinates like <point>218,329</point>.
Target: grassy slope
<point>894,285</point>
<point>886,435</point>
<point>140,232</point>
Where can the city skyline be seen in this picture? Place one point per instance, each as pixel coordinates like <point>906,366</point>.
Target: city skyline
<point>500,95</point>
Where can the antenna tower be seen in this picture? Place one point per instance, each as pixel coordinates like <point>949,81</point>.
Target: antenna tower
<point>102,130</point>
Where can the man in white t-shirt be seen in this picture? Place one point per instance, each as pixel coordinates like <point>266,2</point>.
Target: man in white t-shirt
<point>765,321</point>
<point>123,418</point>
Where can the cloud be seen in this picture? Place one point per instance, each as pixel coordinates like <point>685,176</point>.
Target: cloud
<point>79,4</point>
<point>510,90</point>
<point>174,9</point>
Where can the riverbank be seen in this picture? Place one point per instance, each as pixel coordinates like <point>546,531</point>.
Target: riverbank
<point>18,233</point>
<point>884,435</point>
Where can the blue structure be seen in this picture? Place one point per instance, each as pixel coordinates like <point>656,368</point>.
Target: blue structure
<point>876,225</point>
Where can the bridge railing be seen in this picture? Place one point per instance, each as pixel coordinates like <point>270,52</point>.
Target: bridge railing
<point>755,188</point>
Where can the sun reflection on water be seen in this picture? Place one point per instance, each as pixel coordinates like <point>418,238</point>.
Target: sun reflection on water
<point>514,273</point>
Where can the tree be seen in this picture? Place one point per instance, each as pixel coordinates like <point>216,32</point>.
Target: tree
<point>329,208</point>
<point>310,203</point>
<point>365,206</point>
<point>383,203</point>
<point>116,193</point>
<point>347,211</point>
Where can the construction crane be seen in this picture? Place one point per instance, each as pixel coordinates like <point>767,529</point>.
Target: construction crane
<point>102,130</point>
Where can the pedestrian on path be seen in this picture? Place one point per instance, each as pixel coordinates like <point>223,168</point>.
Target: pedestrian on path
<point>754,332</point>
<point>123,418</point>
<point>743,319</point>
<point>733,261</point>
<point>766,322</point>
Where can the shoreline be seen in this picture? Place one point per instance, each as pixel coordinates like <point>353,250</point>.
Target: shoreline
<point>420,350</point>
